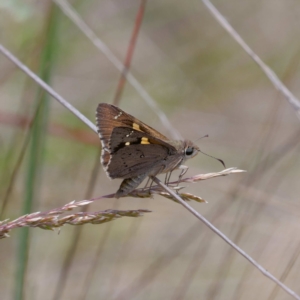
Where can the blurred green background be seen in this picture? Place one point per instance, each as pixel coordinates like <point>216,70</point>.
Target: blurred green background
<point>206,84</point>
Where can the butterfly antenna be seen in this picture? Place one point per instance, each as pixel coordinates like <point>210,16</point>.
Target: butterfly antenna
<point>220,160</point>
<point>201,138</point>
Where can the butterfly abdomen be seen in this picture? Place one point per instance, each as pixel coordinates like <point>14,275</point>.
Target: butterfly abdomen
<point>129,184</point>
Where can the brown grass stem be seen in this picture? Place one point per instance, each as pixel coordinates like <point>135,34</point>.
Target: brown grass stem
<point>226,239</point>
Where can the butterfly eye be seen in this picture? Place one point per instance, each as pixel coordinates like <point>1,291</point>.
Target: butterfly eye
<point>189,151</point>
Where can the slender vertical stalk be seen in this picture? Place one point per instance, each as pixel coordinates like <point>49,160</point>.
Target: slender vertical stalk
<point>36,147</point>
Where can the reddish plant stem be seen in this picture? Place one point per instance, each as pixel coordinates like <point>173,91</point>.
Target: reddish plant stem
<point>130,50</point>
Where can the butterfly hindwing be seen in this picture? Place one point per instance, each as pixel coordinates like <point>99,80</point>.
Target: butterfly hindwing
<point>133,152</point>
<point>137,161</point>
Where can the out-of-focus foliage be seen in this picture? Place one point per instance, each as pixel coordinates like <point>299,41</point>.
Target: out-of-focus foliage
<point>206,84</point>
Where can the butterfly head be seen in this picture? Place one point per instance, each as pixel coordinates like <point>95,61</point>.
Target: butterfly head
<point>190,149</point>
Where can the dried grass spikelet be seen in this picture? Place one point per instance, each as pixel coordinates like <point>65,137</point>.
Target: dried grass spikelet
<point>156,189</point>
<point>51,219</point>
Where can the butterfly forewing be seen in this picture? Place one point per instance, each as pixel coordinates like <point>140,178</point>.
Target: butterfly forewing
<point>126,137</point>
<point>120,134</point>
<point>109,116</point>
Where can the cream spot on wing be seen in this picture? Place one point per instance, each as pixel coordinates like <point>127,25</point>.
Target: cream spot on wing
<point>136,127</point>
<point>127,144</point>
<point>129,134</point>
<point>118,116</point>
<point>145,141</point>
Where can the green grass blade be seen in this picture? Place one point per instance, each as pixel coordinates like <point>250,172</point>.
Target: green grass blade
<point>36,147</point>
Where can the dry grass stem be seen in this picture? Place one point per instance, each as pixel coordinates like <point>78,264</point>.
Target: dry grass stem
<point>226,239</point>
<point>47,88</point>
<point>69,11</point>
<point>199,177</point>
<point>278,84</point>
<point>158,190</point>
<point>50,220</point>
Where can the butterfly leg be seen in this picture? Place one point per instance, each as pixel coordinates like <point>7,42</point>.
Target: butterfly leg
<point>184,169</point>
<point>168,176</point>
<point>151,182</point>
<point>150,178</point>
